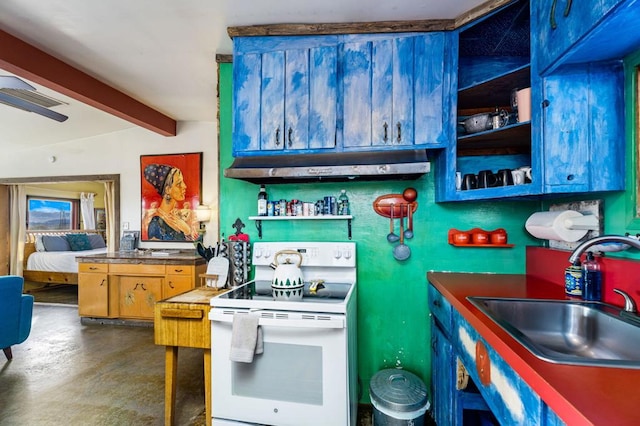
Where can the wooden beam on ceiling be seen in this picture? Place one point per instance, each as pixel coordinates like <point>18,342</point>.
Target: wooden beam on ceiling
<point>342,28</point>
<point>31,63</point>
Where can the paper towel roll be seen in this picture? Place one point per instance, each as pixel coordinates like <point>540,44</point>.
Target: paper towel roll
<point>552,226</point>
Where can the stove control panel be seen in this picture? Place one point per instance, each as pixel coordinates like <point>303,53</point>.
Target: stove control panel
<point>322,254</point>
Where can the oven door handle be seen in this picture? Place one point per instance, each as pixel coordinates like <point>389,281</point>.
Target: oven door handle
<point>288,322</point>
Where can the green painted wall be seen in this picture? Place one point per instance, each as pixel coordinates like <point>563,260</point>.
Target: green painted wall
<point>393,317</point>
<point>393,321</point>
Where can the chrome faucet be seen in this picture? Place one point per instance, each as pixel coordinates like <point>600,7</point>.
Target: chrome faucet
<point>575,256</point>
<point>629,304</point>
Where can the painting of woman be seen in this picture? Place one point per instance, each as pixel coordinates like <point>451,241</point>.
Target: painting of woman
<point>168,214</point>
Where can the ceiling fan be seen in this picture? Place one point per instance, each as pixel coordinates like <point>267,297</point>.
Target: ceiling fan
<point>20,94</point>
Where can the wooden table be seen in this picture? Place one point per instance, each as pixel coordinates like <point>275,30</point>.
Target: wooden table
<point>183,320</point>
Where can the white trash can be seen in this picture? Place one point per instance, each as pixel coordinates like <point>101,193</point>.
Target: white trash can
<point>399,398</point>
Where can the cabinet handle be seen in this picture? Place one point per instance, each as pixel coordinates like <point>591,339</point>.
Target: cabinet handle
<point>142,285</point>
<point>567,9</point>
<point>92,268</point>
<point>103,282</point>
<point>552,14</point>
<point>399,132</point>
<point>278,136</point>
<point>385,126</point>
<point>290,137</point>
<point>171,284</point>
<point>178,270</point>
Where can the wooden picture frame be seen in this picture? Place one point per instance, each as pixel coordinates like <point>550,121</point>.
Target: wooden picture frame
<point>100,217</point>
<point>171,186</point>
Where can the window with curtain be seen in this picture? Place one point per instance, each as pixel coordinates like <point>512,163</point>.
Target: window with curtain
<point>52,213</point>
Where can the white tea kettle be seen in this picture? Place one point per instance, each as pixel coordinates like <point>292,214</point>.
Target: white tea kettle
<point>288,281</point>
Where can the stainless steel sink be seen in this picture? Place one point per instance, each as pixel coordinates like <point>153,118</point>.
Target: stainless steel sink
<point>567,332</point>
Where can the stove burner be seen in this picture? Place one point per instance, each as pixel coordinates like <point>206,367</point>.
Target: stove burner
<point>261,290</point>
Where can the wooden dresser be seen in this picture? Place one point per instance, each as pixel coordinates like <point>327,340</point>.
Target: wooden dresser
<point>127,285</point>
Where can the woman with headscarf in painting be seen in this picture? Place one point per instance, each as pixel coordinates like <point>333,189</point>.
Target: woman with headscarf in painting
<point>167,223</point>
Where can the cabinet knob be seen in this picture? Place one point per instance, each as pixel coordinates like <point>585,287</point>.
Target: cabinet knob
<point>571,177</point>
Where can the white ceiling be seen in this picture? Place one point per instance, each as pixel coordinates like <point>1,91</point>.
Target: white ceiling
<point>162,52</point>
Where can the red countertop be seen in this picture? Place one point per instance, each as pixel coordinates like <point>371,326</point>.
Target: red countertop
<point>577,394</point>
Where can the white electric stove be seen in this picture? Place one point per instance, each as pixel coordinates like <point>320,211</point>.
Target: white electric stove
<point>307,372</point>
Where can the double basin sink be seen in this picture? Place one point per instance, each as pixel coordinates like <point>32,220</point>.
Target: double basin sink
<point>568,332</point>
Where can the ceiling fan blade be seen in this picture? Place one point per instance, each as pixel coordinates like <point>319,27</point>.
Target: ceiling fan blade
<point>11,82</point>
<point>28,106</point>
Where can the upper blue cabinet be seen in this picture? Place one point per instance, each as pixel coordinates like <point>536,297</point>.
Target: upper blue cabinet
<point>285,93</point>
<point>573,32</point>
<point>395,91</point>
<point>563,23</point>
<point>314,94</point>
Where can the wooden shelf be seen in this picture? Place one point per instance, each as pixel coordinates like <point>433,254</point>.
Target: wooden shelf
<point>514,137</point>
<point>259,220</point>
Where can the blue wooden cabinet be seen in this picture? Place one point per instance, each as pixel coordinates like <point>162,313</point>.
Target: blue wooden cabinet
<point>575,140</point>
<point>285,94</point>
<point>314,94</point>
<point>560,24</point>
<point>450,405</point>
<point>493,386</point>
<point>582,131</point>
<point>395,91</point>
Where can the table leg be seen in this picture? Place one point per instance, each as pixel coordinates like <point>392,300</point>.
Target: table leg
<point>170,382</point>
<point>207,384</point>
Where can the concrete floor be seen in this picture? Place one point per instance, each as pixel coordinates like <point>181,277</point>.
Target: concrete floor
<point>67,373</point>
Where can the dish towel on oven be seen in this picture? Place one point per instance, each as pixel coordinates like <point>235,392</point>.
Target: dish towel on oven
<point>246,338</point>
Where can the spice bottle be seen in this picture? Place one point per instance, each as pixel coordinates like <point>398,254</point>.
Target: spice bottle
<point>592,277</point>
<point>573,282</point>
<point>262,201</point>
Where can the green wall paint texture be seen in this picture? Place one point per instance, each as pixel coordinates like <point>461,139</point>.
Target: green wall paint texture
<point>393,317</point>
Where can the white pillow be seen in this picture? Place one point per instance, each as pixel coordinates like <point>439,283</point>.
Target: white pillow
<point>39,244</point>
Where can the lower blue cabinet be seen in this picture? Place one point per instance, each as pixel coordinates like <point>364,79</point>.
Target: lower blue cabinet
<point>491,385</point>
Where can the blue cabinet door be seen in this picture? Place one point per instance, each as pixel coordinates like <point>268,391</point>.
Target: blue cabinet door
<point>272,86</point>
<point>393,91</point>
<point>442,377</point>
<point>583,129</point>
<point>560,24</point>
<point>285,94</point>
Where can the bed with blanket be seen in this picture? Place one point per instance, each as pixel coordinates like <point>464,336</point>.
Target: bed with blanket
<point>50,256</point>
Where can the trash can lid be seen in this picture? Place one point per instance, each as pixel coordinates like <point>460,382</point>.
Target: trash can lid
<point>398,390</point>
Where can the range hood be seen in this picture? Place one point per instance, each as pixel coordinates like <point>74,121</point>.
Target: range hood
<point>343,166</point>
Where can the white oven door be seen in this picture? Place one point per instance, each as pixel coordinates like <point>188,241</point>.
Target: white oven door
<point>300,378</point>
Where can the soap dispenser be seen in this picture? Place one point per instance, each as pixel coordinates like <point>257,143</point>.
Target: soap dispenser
<point>592,279</point>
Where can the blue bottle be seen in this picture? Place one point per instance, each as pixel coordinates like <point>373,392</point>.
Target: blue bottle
<point>592,279</point>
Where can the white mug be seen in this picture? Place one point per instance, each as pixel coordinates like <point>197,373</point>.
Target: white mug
<point>527,171</point>
<point>518,176</point>
<point>458,180</point>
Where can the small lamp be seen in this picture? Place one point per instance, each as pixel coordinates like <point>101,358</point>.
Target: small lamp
<point>203,214</point>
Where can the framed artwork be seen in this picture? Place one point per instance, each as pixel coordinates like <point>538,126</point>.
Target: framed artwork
<point>100,217</point>
<point>171,186</point>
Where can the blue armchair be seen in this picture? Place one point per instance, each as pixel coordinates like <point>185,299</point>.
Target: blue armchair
<point>16,310</point>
